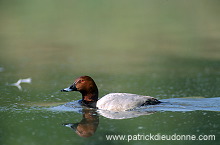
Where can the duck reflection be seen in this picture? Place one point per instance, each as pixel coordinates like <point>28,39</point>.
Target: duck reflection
<point>88,125</point>
<point>124,114</point>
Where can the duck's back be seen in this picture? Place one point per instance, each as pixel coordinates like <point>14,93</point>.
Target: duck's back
<point>122,101</point>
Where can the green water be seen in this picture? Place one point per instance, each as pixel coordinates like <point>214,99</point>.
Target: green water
<point>164,48</point>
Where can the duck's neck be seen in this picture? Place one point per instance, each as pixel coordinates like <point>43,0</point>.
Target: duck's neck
<point>90,98</point>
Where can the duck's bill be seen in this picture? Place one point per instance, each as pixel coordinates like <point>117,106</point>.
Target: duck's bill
<point>66,90</point>
<point>69,89</point>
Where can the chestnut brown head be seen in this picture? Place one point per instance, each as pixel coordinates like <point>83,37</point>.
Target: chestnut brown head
<point>86,86</point>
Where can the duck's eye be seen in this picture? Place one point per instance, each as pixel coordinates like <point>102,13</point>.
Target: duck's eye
<point>79,81</point>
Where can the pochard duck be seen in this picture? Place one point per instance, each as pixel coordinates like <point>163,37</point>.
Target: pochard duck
<point>113,101</point>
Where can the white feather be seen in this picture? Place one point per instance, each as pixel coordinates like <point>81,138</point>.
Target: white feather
<point>17,84</point>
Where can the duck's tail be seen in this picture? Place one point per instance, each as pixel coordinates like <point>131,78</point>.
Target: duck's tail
<point>152,101</point>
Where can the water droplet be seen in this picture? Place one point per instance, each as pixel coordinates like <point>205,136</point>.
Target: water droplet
<point>140,127</point>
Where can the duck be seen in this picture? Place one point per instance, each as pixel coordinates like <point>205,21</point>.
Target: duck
<point>113,102</point>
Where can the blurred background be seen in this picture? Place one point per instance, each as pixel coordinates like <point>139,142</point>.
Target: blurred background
<point>164,38</point>
<point>162,48</point>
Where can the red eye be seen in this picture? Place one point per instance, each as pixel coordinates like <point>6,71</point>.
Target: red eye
<point>82,81</point>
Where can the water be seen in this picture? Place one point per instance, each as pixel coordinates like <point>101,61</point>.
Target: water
<point>165,49</point>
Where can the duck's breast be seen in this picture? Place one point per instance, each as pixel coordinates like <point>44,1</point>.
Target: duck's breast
<point>121,101</point>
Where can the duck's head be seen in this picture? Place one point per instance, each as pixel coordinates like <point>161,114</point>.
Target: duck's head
<point>86,86</point>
